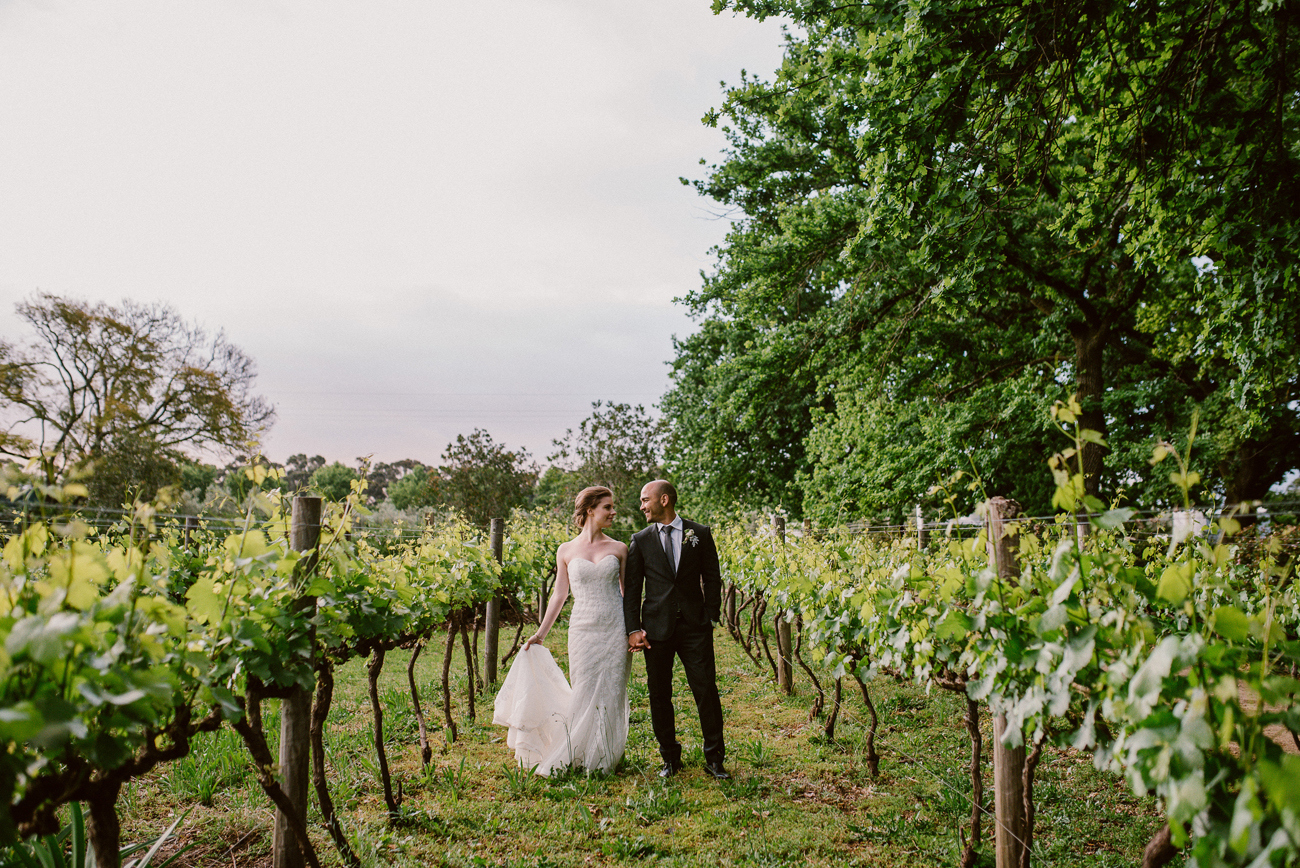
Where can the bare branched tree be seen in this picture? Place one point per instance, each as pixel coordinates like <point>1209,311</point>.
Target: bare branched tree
<point>96,373</point>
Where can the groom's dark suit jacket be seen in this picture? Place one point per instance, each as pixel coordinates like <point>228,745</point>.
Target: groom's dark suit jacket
<point>695,591</point>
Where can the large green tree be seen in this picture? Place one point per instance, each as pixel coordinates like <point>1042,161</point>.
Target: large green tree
<point>950,213</point>
<point>412,489</point>
<point>333,481</point>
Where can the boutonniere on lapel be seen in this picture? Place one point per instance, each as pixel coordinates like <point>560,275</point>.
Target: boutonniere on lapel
<point>689,538</point>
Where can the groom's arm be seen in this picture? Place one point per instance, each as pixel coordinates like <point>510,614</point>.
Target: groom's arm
<point>710,577</point>
<point>633,582</point>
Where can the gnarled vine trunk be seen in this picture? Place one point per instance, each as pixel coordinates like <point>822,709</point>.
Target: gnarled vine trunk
<point>102,825</point>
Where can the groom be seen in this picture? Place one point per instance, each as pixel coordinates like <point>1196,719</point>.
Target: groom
<point>673,564</point>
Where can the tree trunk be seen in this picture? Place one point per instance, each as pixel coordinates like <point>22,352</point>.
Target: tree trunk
<point>1089,344</point>
<point>873,758</point>
<point>426,750</point>
<point>1027,784</point>
<point>976,781</point>
<point>492,614</point>
<point>1251,468</point>
<point>784,654</point>
<point>1160,850</point>
<point>834,714</point>
<point>820,702</point>
<point>450,731</point>
<point>470,673</point>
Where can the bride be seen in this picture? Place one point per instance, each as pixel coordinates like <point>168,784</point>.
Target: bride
<point>553,725</point>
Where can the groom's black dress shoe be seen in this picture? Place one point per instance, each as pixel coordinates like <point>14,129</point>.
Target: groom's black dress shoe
<point>717,771</point>
<point>670,769</point>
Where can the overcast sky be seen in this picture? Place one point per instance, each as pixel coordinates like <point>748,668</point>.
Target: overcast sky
<point>418,217</point>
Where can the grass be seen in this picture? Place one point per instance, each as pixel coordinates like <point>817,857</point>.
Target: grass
<point>795,799</point>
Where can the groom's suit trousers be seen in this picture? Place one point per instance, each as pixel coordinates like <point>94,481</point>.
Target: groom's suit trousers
<point>694,646</point>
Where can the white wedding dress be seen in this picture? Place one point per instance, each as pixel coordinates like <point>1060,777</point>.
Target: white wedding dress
<point>554,725</point>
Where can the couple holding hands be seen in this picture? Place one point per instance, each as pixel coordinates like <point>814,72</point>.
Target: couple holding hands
<point>661,596</point>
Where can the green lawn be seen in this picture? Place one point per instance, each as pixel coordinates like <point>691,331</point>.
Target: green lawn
<point>795,799</point>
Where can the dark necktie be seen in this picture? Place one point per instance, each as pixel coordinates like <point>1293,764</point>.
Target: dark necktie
<point>668,547</point>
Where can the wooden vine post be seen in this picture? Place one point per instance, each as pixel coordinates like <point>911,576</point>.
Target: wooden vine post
<point>784,647</point>
<point>492,618</point>
<point>295,709</point>
<point>922,535</point>
<point>1008,763</point>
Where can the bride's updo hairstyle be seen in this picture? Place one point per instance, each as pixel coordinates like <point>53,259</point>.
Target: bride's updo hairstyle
<point>587,500</point>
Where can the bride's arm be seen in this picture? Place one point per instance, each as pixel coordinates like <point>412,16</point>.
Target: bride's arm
<point>622,569</point>
<point>558,596</point>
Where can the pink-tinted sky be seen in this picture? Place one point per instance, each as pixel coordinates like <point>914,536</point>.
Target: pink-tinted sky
<point>419,217</point>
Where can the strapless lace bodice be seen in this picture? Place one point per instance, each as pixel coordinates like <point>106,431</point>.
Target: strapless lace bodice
<point>594,587</point>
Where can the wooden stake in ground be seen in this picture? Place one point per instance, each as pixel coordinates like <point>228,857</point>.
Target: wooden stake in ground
<point>1008,763</point>
<point>295,709</point>
<point>492,618</point>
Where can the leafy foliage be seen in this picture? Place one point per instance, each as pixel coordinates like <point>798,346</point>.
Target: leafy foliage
<point>482,479</point>
<point>945,209</point>
<point>197,477</point>
<point>382,476</point>
<point>618,446</point>
<point>132,467</point>
<point>333,481</point>
<point>412,490</point>
<point>119,647</point>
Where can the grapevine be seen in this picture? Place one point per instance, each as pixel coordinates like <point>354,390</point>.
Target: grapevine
<point>121,645</point>
<point>1136,648</point>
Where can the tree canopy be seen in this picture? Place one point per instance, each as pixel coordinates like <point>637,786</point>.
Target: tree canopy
<point>333,481</point>
<point>620,446</point>
<point>950,214</point>
<point>481,478</point>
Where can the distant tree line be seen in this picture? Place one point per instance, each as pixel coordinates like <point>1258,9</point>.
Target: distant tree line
<point>127,397</point>
<point>618,445</point>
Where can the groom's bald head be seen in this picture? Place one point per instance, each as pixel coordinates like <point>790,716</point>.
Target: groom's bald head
<point>661,488</point>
